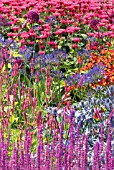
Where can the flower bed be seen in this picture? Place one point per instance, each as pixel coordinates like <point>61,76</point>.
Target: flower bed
<point>56,85</point>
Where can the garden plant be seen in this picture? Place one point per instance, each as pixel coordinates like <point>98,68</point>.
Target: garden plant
<point>57,85</point>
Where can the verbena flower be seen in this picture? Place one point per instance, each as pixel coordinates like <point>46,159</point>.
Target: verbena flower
<point>51,20</point>
<point>92,39</point>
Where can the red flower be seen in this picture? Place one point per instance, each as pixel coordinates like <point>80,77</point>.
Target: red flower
<point>74,46</point>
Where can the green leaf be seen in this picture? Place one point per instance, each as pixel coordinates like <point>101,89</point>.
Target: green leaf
<point>83,35</point>
<point>62,83</point>
<point>12,119</point>
<point>9,65</point>
<point>3,69</point>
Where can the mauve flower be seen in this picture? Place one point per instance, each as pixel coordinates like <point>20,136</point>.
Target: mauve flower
<point>33,16</point>
<point>112,19</point>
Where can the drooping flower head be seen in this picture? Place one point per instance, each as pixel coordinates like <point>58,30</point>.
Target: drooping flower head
<point>33,16</point>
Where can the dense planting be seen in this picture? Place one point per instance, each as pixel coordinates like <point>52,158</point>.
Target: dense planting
<point>56,85</point>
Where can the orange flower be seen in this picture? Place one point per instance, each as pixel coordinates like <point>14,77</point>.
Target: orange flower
<point>79,59</point>
<point>95,116</point>
<point>71,88</point>
<point>106,57</point>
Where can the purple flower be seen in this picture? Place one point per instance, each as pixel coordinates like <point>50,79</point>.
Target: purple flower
<point>33,16</point>
<point>94,23</point>
<point>20,63</point>
<point>4,21</point>
<point>94,74</point>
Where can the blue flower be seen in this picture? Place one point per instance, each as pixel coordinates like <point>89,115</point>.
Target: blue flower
<point>56,73</point>
<point>51,20</point>
<point>84,52</point>
<point>26,52</point>
<point>55,56</point>
<point>92,39</point>
<point>93,75</point>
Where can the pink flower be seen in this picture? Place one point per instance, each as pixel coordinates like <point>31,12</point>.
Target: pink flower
<point>98,114</point>
<point>24,35</point>
<point>91,34</point>
<point>81,81</point>
<point>60,31</point>
<point>72,29</point>
<point>52,43</point>
<point>41,52</point>
<point>31,42</point>
<point>76,39</point>
<point>112,27</point>
<point>74,46</point>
